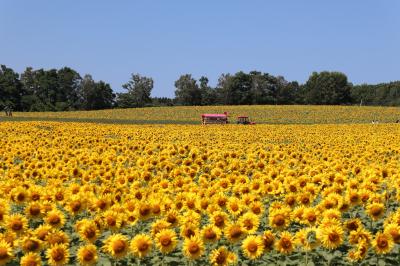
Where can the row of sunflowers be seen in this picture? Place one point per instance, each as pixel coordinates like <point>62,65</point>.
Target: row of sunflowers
<point>271,114</point>
<point>92,194</point>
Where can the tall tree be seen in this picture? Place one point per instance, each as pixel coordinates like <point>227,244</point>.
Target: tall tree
<point>69,82</point>
<point>187,91</point>
<point>10,88</point>
<point>139,91</point>
<point>96,95</point>
<point>327,88</point>
<point>208,95</point>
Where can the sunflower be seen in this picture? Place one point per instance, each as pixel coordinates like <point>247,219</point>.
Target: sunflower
<point>141,245</point>
<point>31,259</point>
<point>88,231</point>
<point>250,222</point>
<point>279,220</point>
<point>159,225</point>
<point>234,206</point>
<point>33,210</point>
<point>285,244</point>
<point>30,244</point>
<point>376,210</point>
<point>331,237</point>
<point>6,252</point>
<point>101,203</point>
<point>393,230</point>
<point>332,214</point>
<point>19,195</point>
<point>193,247</point>
<point>253,247</point>
<point>188,230</point>
<point>16,223</point>
<point>222,257</point>
<point>144,211</point>
<point>42,231</point>
<point>57,255</point>
<point>257,208</point>
<point>57,237</point>
<point>191,217</point>
<point>172,217</point>
<point>359,252</point>
<point>306,239</point>
<point>4,210</point>
<point>383,243</point>
<point>210,233</point>
<point>352,224</point>
<point>55,218</point>
<point>116,245</point>
<point>112,220</point>
<point>353,197</point>
<point>219,219</point>
<point>87,255</point>
<point>75,204</point>
<point>358,235</point>
<point>166,240</point>
<point>234,232</point>
<point>268,240</point>
<point>309,216</point>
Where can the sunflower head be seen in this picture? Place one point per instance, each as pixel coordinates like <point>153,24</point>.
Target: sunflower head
<point>376,210</point>
<point>88,231</point>
<point>331,236</point>
<point>250,222</point>
<point>87,255</point>
<point>16,223</point>
<point>285,244</point>
<point>55,218</point>
<point>116,245</point>
<point>141,245</point>
<point>189,230</point>
<point>193,247</point>
<point>166,240</point>
<point>394,231</point>
<point>383,243</point>
<point>57,237</point>
<point>30,244</point>
<point>222,257</point>
<point>210,233</point>
<point>253,247</point>
<point>234,232</point>
<point>6,252</point>
<point>359,252</point>
<point>31,259</point>
<point>352,224</point>
<point>58,254</point>
<point>268,240</point>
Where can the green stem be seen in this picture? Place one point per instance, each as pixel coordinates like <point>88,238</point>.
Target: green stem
<point>306,263</point>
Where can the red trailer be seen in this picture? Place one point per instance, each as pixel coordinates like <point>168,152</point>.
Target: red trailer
<point>214,118</point>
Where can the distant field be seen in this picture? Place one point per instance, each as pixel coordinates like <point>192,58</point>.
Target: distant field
<point>271,114</point>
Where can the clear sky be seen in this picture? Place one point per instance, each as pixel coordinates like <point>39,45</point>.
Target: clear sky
<point>166,38</point>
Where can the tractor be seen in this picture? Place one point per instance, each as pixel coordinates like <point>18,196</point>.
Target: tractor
<point>244,120</point>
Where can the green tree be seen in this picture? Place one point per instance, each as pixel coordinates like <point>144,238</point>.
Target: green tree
<point>139,91</point>
<point>69,82</point>
<point>96,95</point>
<point>327,88</point>
<point>187,91</point>
<point>10,88</point>
<point>208,94</point>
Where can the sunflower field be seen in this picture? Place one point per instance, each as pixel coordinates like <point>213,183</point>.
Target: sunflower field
<point>97,194</point>
<point>262,114</point>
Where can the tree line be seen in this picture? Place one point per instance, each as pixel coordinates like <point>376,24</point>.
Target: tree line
<point>65,89</point>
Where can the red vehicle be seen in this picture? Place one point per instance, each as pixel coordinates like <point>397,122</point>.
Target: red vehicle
<point>214,118</point>
<point>244,120</point>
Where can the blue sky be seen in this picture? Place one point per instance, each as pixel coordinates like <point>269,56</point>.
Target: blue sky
<point>164,39</point>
